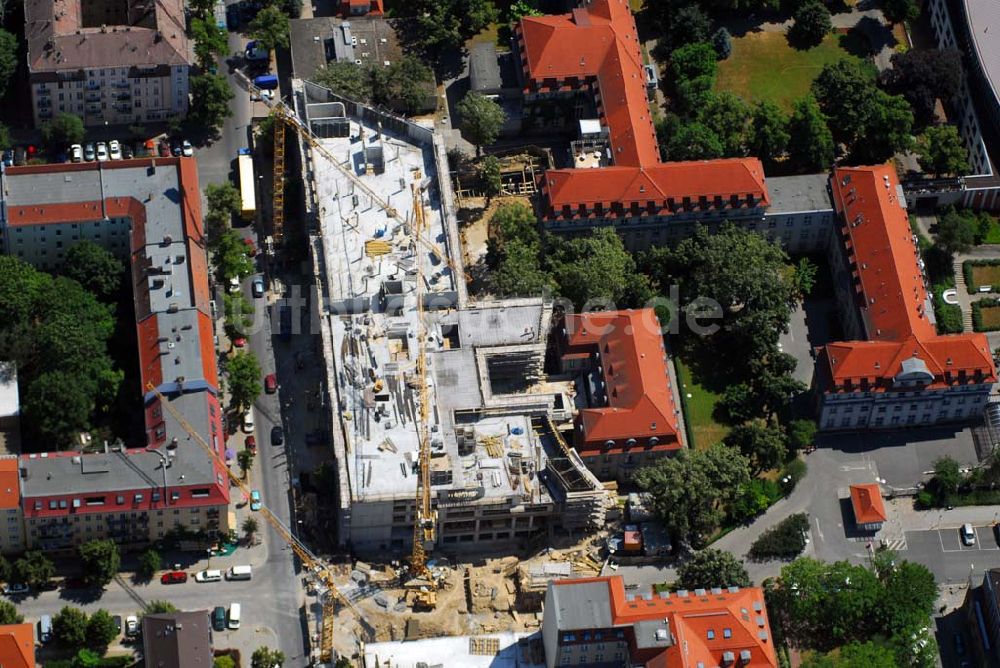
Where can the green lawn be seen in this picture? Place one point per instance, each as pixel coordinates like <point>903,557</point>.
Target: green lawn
<point>992,235</point>
<point>763,67</point>
<point>698,407</point>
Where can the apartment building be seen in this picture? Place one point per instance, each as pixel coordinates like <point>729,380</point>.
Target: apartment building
<point>108,62</point>
<point>630,414</point>
<point>12,536</point>
<point>895,370</point>
<point>618,178</point>
<point>595,622</point>
<point>148,212</point>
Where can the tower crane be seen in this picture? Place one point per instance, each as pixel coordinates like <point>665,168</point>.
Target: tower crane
<point>310,561</point>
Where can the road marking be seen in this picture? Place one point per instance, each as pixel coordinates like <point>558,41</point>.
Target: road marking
<point>818,530</point>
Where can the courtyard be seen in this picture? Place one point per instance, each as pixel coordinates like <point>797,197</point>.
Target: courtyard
<point>763,66</point>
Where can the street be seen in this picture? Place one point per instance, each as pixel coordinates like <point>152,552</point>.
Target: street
<point>275,597</point>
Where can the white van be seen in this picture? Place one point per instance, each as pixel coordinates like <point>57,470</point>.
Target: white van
<point>234,616</point>
<point>248,421</point>
<point>45,628</point>
<point>208,576</point>
<point>239,573</point>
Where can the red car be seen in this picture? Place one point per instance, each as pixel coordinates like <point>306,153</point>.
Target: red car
<point>164,148</point>
<point>251,444</point>
<point>270,383</point>
<point>251,248</point>
<point>239,342</point>
<point>173,577</point>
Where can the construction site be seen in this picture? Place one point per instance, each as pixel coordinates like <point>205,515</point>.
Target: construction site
<point>443,422</point>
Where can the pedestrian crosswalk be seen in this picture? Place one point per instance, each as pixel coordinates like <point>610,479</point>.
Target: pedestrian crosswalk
<point>895,544</point>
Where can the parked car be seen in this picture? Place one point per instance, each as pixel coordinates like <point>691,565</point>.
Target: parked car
<point>8,157</point>
<point>164,148</point>
<point>20,156</point>
<point>248,424</point>
<point>256,52</point>
<point>76,153</point>
<point>968,534</point>
<point>255,500</point>
<point>257,287</point>
<point>270,383</point>
<point>219,618</point>
<point>959,644</point>
<point>173,577</point>
<point>208,576</point>
<point>277,438</point>
<point>251,248</point>
<point>102,152</point>
<point>186,149</point>
<point>15,588</point>
<point>251,443</point>
<point>45,628</point>
<point>175,148</point>
<point>117,619</point>
<point>127,153</point>
<point>234,284</point>
<point>239,342</point>
<point>131,625</point>
<point>115,149</point>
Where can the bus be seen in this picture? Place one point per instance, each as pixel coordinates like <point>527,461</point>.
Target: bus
<point>248,199</point>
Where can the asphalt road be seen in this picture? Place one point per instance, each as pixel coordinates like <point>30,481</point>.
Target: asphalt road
<point>275,595</point>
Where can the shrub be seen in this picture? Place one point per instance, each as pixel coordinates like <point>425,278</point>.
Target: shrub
<point>949,316</point>
<point>753,499</point>
<point>786,540</point>
<point>925,499</point>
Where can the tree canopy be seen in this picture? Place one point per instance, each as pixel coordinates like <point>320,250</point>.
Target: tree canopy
<point>34,569</point>
<point>482,119</point>
<point>57,333</point>
<point>270,28</point>
<point>810,142</point>
<point>404,86</point>
<point>690,490</point>
<point>942,151</point>
<point>923,76</point>
<point>728,116</point>
<point>69,628</point>
<point>746,275</point>
<point>513,252</point>
<point>101,631</point>
<point>768,133</point>
<point>62,130</point>
<point>765,446</point>
<point>9,613</point>
<point>100,560</point>
<point>811,24</point>
<point>95,268</point>
<point>873,123</point>
<point>209,41</point>
<point>956,231</point>
<point>265,657</point>
<point>244,380</point>
<point>210,100</point>
<point>712,568</point>
<point>898,11</point>
<point>8,60</point>
<point>595,267</point>
<point>149,563</point>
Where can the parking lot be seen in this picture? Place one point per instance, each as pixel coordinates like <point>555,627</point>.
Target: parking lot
<point>949,540</point>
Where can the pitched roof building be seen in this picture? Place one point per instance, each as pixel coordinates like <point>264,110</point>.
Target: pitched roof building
<point>115,62</point>
<point>147,212</point>
<point>595,49</point>
<point>631,411</point>
<point>17,645</point>
<point>177,640</point>
<point>869,509</point>
<point>898,371</point>
<point>593,621</point>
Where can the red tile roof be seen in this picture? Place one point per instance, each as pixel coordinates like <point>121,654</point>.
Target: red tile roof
<point>10,489</point>
<point>867,503</point>
<point>675,181</point>
<point>598,46</point>
<point>891,293</point>
<point>634,366</point>
<point>17,645</point>
<point>690,619</point>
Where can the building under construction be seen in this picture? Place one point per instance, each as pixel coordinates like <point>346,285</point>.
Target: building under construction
<point>390,281</point>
